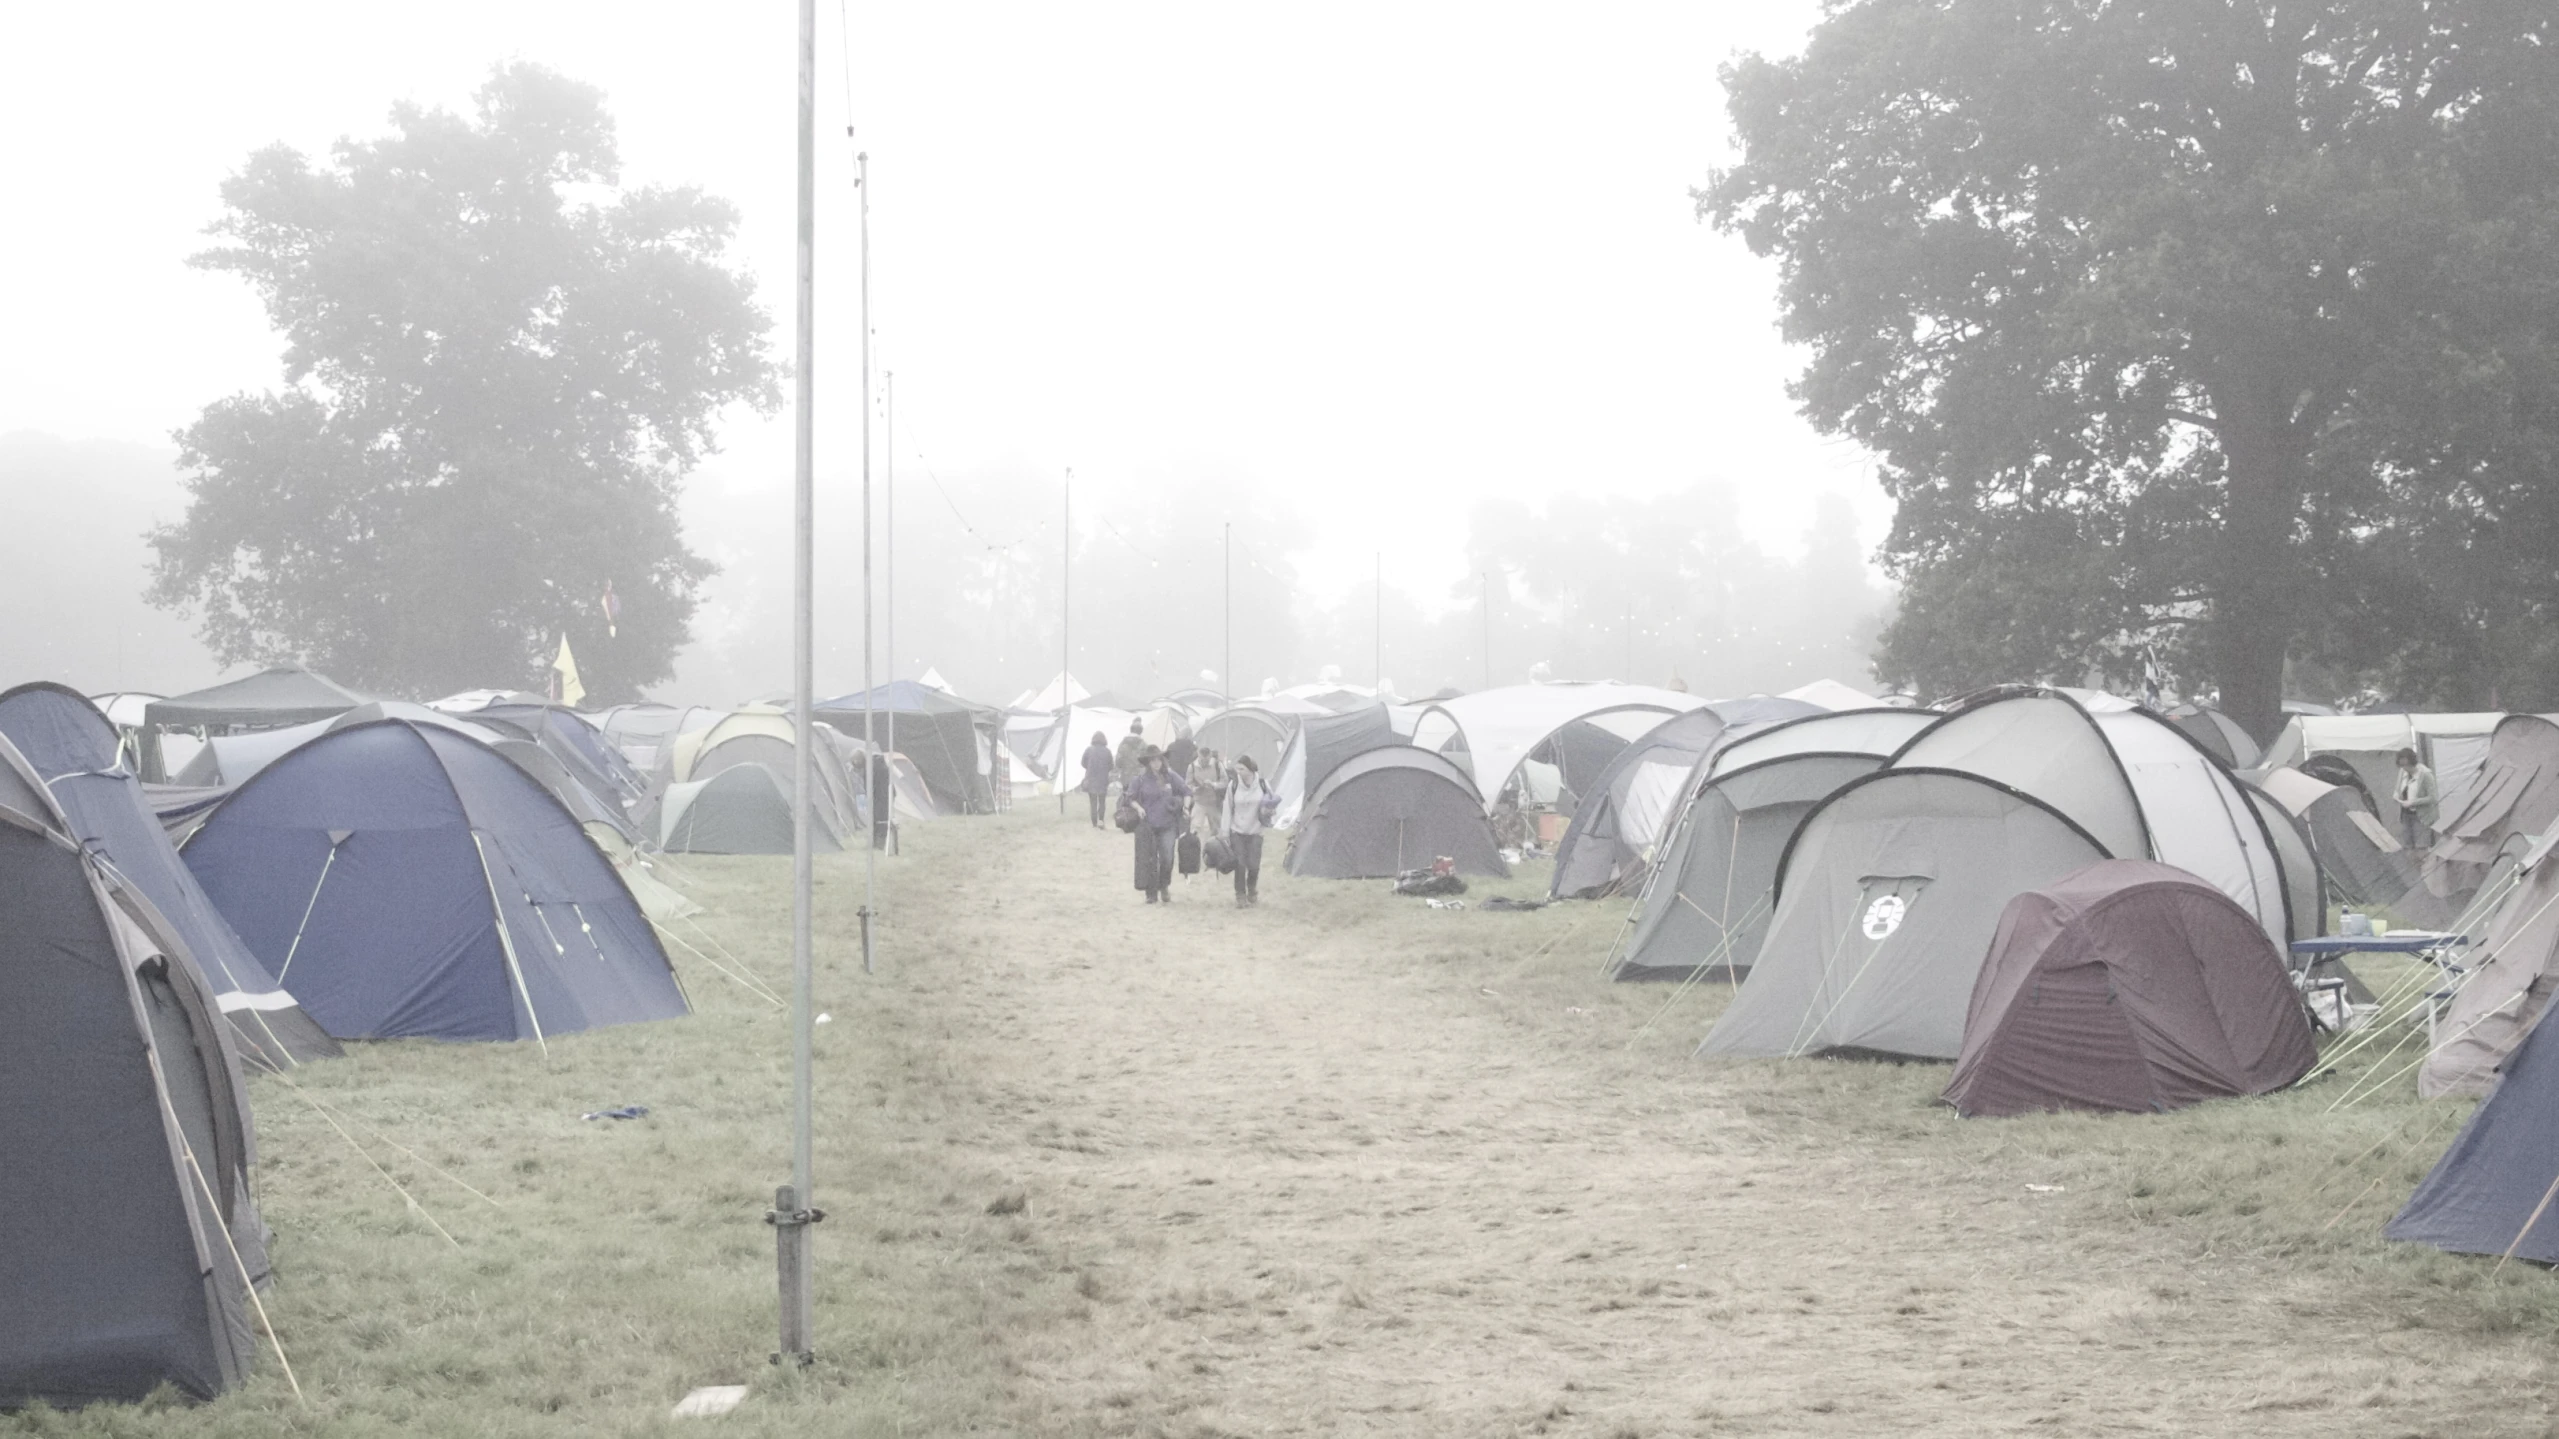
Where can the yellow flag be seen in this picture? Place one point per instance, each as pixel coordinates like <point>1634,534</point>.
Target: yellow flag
<point>566,668</point>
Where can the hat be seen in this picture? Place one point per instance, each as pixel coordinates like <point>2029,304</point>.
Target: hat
<point>1148,753</point>
<point>1137,726</point>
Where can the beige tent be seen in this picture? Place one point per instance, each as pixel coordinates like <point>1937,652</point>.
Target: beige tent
<point>2509,984</point>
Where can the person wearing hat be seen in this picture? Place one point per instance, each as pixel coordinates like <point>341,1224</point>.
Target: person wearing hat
<point>1158,795</point>
<point>1132,745</point>
<point>1246,797</point>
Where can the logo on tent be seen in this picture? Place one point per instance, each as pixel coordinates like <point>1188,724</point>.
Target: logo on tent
<point>1885,915</point>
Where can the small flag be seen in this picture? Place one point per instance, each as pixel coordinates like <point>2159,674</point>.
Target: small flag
<point>2150,677</point>
<point>612,605</point>
<point>564,676</point>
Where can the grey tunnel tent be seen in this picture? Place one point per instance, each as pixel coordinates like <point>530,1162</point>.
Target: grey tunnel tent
<point>74,750</point>
<point>1634,800</point>
<point>1706,902</point>
<point>131,1238</point>
<point>2510,979</point>
<point>2362,862</point>
<point>1248,730</point>
<point>1391,809</point>
<point>2128,985</point>
<point>2516,794</point>
<point>408,880</point>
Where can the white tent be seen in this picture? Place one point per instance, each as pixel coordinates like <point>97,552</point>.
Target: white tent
<point>2455,746</point>
<point>1831,695</point>
<point>1046,699</point>
<point>1491,732</point>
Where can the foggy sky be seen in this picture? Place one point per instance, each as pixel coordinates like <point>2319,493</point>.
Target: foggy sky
<point>1356,270</point>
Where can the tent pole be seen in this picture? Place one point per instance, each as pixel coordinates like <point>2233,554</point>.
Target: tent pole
<point>1226,663</point>
<point>792,1211</point>
<point>506,942</point>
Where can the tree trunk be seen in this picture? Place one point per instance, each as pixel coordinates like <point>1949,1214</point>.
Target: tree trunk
<point>2257,575</point>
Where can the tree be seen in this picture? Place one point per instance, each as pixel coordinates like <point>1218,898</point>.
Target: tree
<point>495,382</point>
<point>2169,320</point>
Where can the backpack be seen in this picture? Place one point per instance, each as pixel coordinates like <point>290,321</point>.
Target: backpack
<point>1127,815</point>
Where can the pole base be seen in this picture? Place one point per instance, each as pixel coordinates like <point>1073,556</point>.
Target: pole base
<point>792,1258</point>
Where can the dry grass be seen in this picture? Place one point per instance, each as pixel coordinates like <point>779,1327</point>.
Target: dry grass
<point>1340,1165</point>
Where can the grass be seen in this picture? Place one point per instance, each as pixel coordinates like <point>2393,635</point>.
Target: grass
<point>1340,1164</point>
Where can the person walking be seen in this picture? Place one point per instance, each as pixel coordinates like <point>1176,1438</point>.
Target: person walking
<point>1097,774</point>
<point>1242,824</point>
<point>1183,751</point>
<point>1158,795</point>
<point>2416,795</point>
<point>1132,744</point>
<point>1208,794</point>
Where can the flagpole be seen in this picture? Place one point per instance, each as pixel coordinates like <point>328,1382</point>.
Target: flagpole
<point>888,558</point>
<point>792,1211</point>
<point>1065,649</point>
<point>872,763</point>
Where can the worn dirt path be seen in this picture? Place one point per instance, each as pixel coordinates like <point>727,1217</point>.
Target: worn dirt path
<point>1344,1165</point>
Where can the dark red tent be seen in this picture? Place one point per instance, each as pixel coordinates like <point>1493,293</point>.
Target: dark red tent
<point>2128,985</point>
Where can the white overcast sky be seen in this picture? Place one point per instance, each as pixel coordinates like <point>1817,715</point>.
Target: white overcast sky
<point>1387,256</point>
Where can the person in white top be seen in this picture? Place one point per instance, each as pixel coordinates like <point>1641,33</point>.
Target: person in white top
<point>2416,795</point>
<point>1247,797</point>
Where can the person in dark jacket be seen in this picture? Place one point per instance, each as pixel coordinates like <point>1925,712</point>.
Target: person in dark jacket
<point>1097,774</point>
<point>1158,795</point>
<point>1179,754</point>
<point>1132,745</point>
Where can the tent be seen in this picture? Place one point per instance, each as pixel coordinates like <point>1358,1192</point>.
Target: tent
<point>74,751</point>
<point>2516,793</point>
<point>1493,731</point>
<point>2128,985</point>
<point>575,741</point>
<point>1886,899</point>
<point>950,740</point>
<point>2005,795</point>
<point>2297,860</point>
<point>741,809</point>
<point>1389,809</point>
<point>269,699</point>
<point>1323,742</point>
<point>639,732</point>
<point>2511,975</point>
<point>762,735</point>
<point>1631,803</point>
<point>2363,862</point>
<point>1831,695</point>
<point>2455,746</point>
<point>1248,729</point>
<point>125,1147</point>
<point>2219,734</point>
<point>2490,1192</point>
<point>1706,903</point>
<point>407,880</point>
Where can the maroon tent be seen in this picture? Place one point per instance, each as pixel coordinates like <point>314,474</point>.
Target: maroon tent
<point>2128,985</point>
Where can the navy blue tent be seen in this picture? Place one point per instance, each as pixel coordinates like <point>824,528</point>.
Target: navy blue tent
<point>409,880</point>
<point>73,749</point>
<point>2502,1168</point>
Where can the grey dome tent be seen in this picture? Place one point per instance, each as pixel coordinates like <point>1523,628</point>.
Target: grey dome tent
<point>1391,809</point>
<point>1885,903</point>
<point>951,741</point>
<point>2219,734</point>
<point>2488,1193</point>
<point>1887,899</point>
<point>1705,905</point>
<point>407,880</point>
<point>1633,802</point>
<point>1320,745</point>
<point>1247,730</point>
<point>133,1241</point>
<point>741,809</point>
<point>2128,985</point>
<point>73,749</point>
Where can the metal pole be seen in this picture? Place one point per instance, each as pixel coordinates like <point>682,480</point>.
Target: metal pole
<point>1377,656</point>
<point>1485,578</point>
<point>888,557</point>
<point>792,1212</point>
<point>871,763</point>
<point>1065,651</point>
<point>1226,689</point>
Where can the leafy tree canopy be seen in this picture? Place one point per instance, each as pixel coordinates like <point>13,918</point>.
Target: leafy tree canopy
<point>2219,325</point>
<point>499,368</point>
